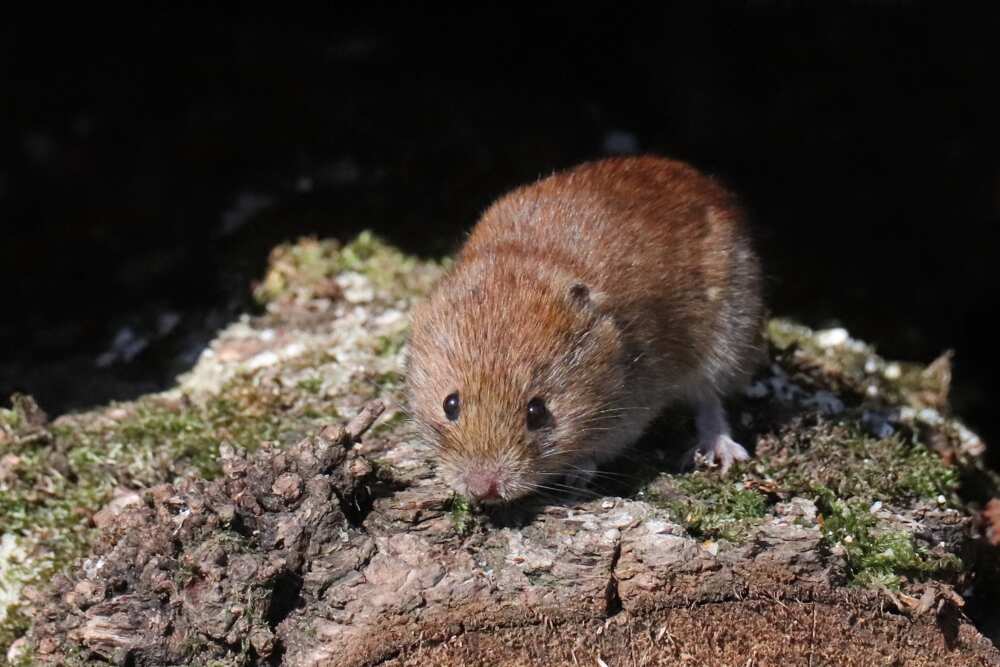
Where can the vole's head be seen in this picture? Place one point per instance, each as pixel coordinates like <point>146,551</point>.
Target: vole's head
<point>513,375</point>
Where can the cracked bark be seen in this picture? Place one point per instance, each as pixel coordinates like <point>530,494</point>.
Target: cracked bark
<point>308,557</point>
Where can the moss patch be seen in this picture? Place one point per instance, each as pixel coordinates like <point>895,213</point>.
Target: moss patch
<point>814,453</point>
<point>10,421</point>
<point>390,345</point>
<point>710,506</point>
<point>460,511</point>
<point>876,555</point>
<point>307,269</point>
<point>845,471</point>
<point>14,625</point>
<point>158,438</point>
<point>58,480</point>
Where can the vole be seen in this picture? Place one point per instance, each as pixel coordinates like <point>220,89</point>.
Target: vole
<point>579,307</point>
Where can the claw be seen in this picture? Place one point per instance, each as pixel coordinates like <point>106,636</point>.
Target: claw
<point>715,446</point>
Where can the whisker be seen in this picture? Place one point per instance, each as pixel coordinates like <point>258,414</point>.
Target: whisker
<point>560,489</point>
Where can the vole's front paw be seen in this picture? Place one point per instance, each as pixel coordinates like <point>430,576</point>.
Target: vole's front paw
<point>715,447</point>
<point>718,450</point>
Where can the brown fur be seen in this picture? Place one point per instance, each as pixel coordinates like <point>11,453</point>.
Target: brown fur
<point>608,290</point>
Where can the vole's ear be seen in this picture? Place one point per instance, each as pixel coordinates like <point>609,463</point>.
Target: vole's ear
<point>579,293</point>
<point>584,297</point>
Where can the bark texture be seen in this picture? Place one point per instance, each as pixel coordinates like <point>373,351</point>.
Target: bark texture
<point>843,542</point>
<point>309,556</point>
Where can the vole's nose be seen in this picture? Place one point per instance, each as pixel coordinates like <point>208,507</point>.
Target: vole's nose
<point>482,485</point>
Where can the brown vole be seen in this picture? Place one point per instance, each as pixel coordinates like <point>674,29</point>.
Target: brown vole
<point>579,307</point>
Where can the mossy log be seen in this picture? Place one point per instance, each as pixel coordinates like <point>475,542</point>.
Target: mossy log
<point>851,538</point>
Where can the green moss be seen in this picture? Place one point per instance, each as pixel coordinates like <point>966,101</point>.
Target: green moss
<point>10,419</point>
<point>22,424</point>
<point>852,464</point>
<point>311,385</point>
<point>876,555</point>
<point>388,267</point>
<point>784,334</point>
<point>66,471</point>
<point>390,345</point>
<point>158,440</point>
<point>13,626</point>
<point>388,424</point>
<point>306,268</point>
<point>45,506</point>
<point>710,506</point>
<point>307,265</point>
<point>460,511</point>
<point>366,246</point>
<point>845,471</point>
<point>388,380</point>
<point>65,476</point>
<point>543,579</point>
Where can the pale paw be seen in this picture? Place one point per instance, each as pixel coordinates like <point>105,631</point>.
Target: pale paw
<point>720,450</point>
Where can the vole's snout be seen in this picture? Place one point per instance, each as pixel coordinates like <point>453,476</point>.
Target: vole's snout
<point>483,486</point>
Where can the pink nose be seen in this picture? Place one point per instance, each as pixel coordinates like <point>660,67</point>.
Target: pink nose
<point>482,486</point>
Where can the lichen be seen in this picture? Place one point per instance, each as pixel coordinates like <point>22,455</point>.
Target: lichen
<point>268,379</point>
<point>837,361</point>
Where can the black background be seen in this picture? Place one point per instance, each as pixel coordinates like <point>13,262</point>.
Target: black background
<point>863,140</point>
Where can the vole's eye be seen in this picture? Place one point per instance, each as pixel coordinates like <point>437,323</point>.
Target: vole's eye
<point>452,406</point>
<point>538,414</point>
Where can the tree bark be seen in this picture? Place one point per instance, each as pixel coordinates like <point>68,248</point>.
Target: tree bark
<point>838,544</point>
<point>313,556</point>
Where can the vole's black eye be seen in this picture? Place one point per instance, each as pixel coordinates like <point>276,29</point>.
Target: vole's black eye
<point>538,414</point>
<point>452,406</point>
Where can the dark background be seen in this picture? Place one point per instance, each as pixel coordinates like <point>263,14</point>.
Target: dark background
<point>149,161</point>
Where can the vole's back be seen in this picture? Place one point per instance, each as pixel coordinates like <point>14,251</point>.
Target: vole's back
<point>579,307</point>
<point>662,246</point>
